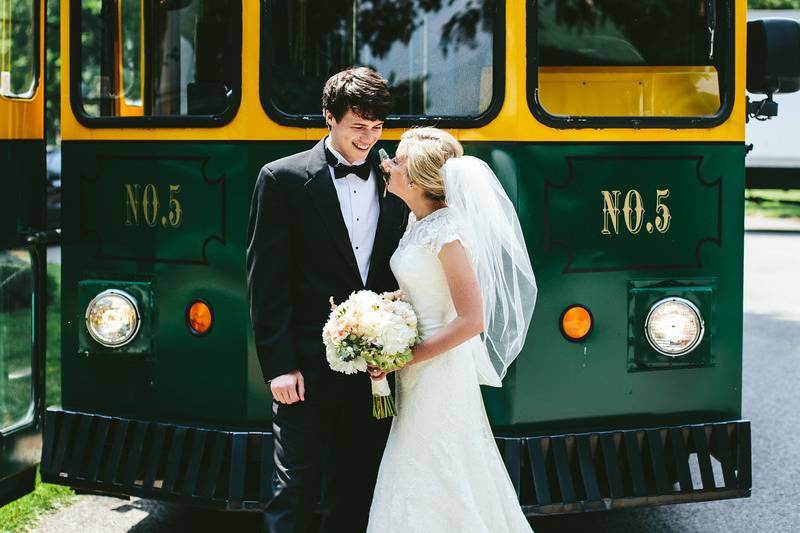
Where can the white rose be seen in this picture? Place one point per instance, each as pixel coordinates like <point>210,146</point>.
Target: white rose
<point>395,338</point>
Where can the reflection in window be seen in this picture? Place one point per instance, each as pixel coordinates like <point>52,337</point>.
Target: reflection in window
<point>17,48</point>
<point>436,54</point>
<point>131,49</point>
<point>622,58</point>
<point>159,57</point>
<point>16,323</point>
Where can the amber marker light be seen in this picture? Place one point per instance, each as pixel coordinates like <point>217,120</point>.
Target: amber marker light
<point>199,317</point>
<point>576,322</point>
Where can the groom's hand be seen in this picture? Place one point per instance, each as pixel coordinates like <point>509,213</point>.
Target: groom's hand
<point>289,388</point>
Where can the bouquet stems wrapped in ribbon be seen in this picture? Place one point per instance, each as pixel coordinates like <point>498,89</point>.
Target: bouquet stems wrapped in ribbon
<point>371,330</point>
<point>382,399</point>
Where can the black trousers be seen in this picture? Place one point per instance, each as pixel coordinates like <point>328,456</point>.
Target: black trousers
<point>328,446</point>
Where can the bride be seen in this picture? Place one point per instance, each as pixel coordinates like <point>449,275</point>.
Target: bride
<point>464,267</point>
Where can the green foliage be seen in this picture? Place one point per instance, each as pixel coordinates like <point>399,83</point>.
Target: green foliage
<point>52,93</point>
<point>53,350</point>
<point>17,45</point>
<point>129,41</point>
<point>15,335</point>
<point>772,203</point>
<point>16,282</point>
<point>773,4</point>
<point>15,366</point>
<point>21,514</point>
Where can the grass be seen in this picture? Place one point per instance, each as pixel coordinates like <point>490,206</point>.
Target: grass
<point>53,371</point>
<point>15,364</point>
<point>772,203</point>
<point>15,381</point>
<point>21,514</point>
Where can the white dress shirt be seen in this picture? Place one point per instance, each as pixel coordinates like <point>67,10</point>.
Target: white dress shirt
<point>358,200</point>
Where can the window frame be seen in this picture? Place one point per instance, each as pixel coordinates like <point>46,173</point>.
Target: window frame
<point>37,56</point>
<point>37,317</point>
<point>727,83</point>
<point>392,121</point>
<point>147,121</point>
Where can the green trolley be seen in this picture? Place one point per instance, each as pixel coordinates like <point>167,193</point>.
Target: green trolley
<point>616,128</point>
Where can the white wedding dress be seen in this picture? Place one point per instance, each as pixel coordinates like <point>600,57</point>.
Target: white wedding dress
<point>441,471</point>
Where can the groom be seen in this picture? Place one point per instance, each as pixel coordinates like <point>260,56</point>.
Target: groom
<point>320,227</point>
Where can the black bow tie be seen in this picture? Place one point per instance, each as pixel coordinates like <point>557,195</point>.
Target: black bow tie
<point>340,170</point>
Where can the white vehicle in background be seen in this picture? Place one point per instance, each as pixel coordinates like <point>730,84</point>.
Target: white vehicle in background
<point>774,162</point>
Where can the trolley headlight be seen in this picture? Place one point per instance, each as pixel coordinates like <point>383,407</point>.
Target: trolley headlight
<point>674,327</point>
<point>112,318</point>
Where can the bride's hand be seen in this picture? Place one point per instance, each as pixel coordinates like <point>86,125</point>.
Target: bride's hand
<point>375,373</point>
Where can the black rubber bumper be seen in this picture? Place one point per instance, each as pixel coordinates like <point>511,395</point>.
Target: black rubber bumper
<point>630,468</point>
<point>552,474</point>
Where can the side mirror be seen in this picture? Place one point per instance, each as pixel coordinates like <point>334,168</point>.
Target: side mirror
<point>773,56</point>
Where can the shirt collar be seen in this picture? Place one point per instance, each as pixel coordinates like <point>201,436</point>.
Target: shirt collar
<point>339,156</point>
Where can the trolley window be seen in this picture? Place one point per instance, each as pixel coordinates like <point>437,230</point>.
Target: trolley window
<point>16,332</point>
<point>156,62</point>
<point>621,63</point>
<point>443,59</point>
<point>19,43</point>
<point>131,45</point>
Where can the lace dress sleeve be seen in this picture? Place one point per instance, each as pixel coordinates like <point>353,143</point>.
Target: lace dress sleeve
<point>438,231</point>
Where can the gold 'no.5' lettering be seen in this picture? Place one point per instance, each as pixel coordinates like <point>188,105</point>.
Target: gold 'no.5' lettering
<point>633,212</point>
<point>142,205</point>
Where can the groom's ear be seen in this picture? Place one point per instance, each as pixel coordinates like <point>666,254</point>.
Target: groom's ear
<point>329,118</point>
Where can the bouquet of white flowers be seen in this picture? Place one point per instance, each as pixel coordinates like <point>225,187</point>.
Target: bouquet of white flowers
<point>370,329</point>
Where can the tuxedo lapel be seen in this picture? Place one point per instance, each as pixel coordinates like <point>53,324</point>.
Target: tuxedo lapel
<point>323,195</point>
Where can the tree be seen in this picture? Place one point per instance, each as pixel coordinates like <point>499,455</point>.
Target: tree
<point>773,4</point>
<point>52,73</point>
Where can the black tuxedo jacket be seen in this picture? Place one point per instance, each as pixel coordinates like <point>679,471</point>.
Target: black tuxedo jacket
<point>299,255</point>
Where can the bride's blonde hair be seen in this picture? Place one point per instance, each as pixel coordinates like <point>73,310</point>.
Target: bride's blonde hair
<point>427,150</point>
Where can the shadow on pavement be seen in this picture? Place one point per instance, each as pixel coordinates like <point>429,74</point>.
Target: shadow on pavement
<point>183,518</point>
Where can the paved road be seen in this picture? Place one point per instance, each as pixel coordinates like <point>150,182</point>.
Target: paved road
<point>771,397</point>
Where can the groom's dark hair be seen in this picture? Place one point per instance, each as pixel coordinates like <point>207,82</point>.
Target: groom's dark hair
<point>361,90</point>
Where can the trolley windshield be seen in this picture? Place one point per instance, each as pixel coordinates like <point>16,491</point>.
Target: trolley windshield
<point>441,57</point>
<point>616,58</point>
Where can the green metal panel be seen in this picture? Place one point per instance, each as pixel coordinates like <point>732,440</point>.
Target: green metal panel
<point>559,384</point>
<point>173,216</point>
<point>22,189</point>
<point>558,191</point>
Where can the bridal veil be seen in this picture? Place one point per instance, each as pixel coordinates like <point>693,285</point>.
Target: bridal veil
<point>493,238</point>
